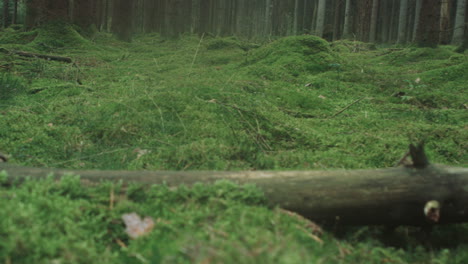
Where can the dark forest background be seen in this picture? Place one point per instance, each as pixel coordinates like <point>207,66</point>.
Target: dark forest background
<point>427,22</point>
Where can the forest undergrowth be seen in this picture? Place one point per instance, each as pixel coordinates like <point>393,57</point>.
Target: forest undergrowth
<point>205,103</point>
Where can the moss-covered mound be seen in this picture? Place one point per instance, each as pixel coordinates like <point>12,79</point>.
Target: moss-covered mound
<point>222,51</point>
<point>57,35</point>
<point>415,55</point>
<point>12,35</point>
<point>294,56</point>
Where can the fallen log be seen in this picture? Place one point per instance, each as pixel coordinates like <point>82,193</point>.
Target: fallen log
<point>37,55</point>
<point>394,196</point>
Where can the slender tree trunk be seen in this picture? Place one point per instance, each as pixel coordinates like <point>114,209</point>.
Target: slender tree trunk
<point>55,10</point>
<point>32,12</point>
<point>233,13</point>
<point>417,14</point>
<point>83,12</point>
<point>385,21</point>
<point>204,16</point>
<point>427,34</point>
<point>393,29</point>
<point>267,18</point>
<point>295,17</point>
<point>444,35</point>
<point>459,31</point>
<point>410,25</point>
<point>6,13</point>
<point>320,18</point>
<point>314,17</point>
<point>337,20</point>
<point>122,19</point>
<point>402,21</point>
<point>464,44</point>
<point>363,18</point>
<point>15,12</point>
<point>305,16</point>
<point>224,16</point>
<point>347,21</point>
<point>240,18</point>
<point>373,23</point>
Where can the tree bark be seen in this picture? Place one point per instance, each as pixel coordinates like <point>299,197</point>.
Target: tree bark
<point>122,18</point>
<point>464,45</point>
<point>42,11</point>
<point>385,25</point>
<point>444,34</point>
<point>373,23</point>
<point>394,196</point>
<point>402,21</point>
<point>427,34</point>
<point>32,12</point>
<point>458,33</point>
<point>204,17</point>
<point>14,20</point>
<point>83,13</point>
<point>267,28</point>
<point>320,18</point>
<point>417,14</point>
<point>363,18</point>
<point>391,24</point>
<point>6,13</point>
<point>337,20</point>
<point>296,17</point>
<point>347,21</point>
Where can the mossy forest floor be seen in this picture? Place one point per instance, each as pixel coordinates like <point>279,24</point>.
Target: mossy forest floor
<point>216,104</point>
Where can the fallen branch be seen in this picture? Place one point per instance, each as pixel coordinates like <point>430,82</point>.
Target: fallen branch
<point>347,107</point>
<point>37,55</point>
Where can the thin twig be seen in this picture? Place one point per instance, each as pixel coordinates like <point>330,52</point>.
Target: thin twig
<point>348,106</point>
<point>196,53</point>
<point>120,243</point>
<point>87,157</point>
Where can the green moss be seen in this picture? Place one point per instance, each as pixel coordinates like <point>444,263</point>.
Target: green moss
<point>61,221</point>
<point>11,86</point>
<point>58,35</point>
<point>191,107</point>
<point>222,43</point>
<point>221,51</point>
<point>294,56</point>
<point>415,55</point>
<point>15,36</point>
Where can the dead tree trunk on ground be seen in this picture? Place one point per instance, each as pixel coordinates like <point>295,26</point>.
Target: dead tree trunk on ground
<point>394,196</point>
